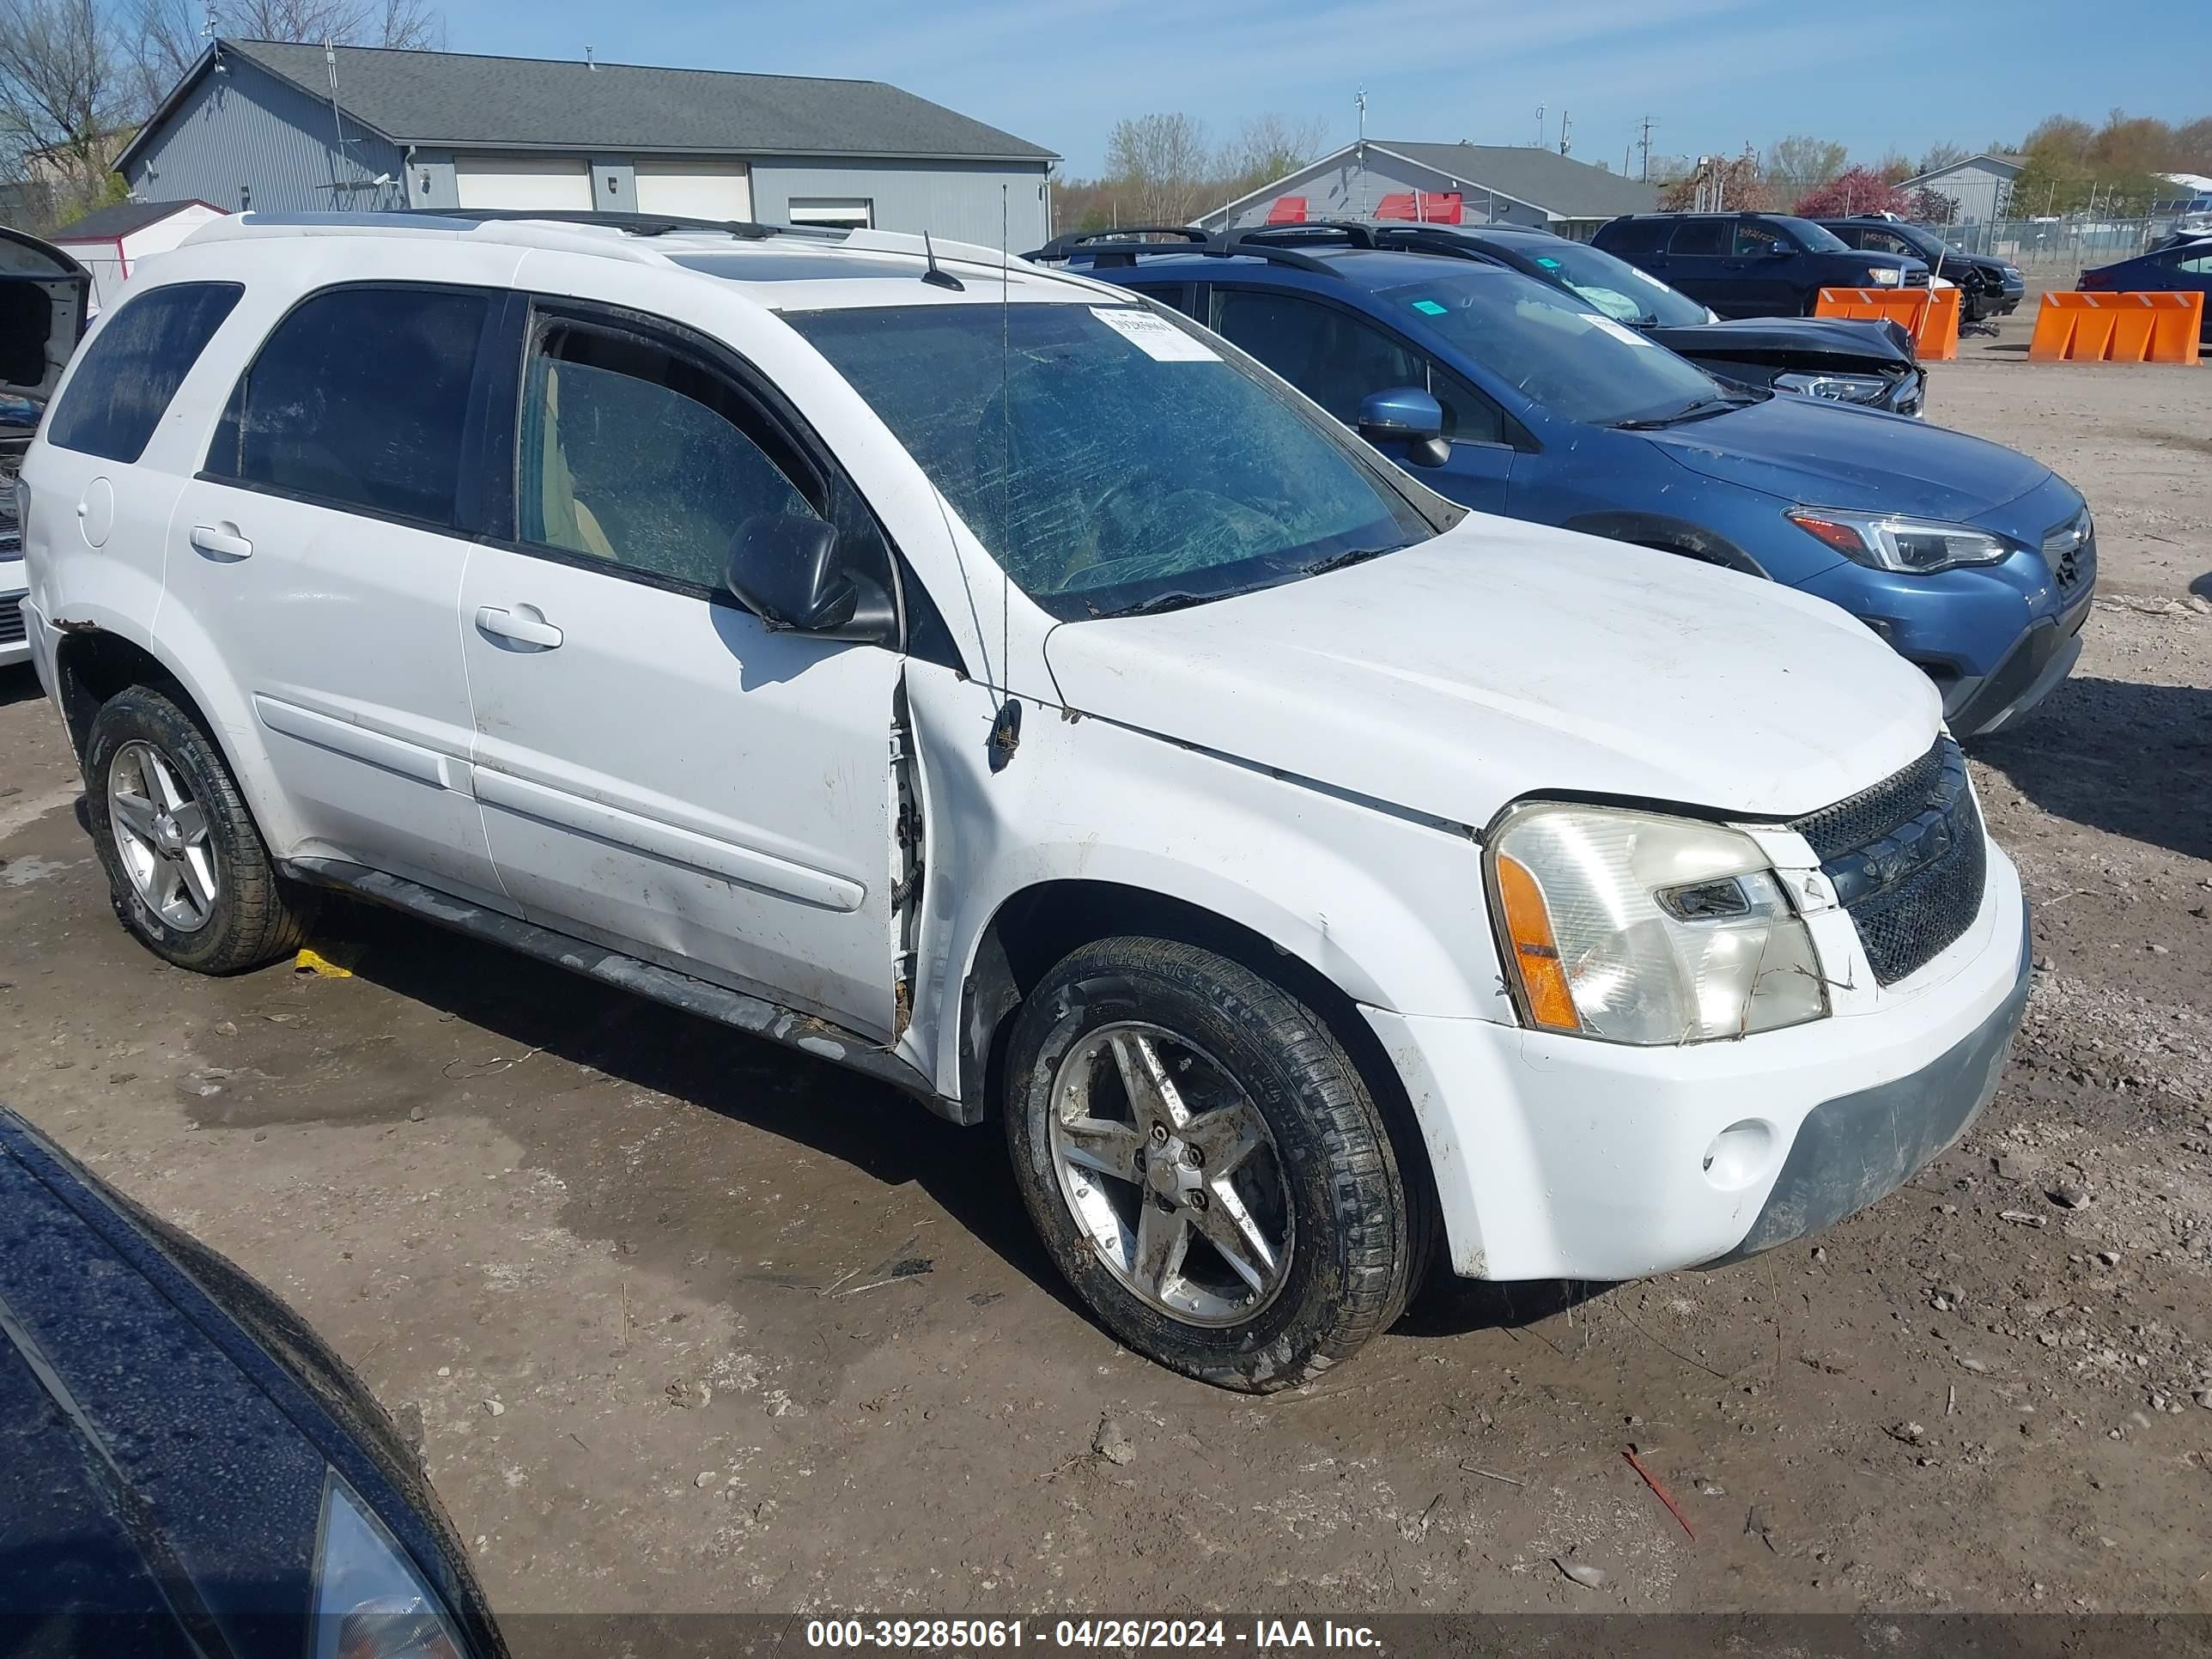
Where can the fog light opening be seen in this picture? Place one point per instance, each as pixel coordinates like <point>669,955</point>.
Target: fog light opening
<point>1741,1155</point>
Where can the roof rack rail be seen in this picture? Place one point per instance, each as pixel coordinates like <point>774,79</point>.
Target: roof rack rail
<point>1256,245</point>
<point>1113,240</point>
<point>1429,239</point>
<point>634,224</point>
<point>1351,232</point>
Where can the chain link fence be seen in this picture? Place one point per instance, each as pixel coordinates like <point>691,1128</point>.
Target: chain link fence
<point>2054,245</point>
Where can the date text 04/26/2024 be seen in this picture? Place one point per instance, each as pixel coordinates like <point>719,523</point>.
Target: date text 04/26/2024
<point>1262,1636</point>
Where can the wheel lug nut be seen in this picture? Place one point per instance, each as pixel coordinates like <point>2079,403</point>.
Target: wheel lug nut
<point>1160,1134</point>
<point>1197,1199</point>
<point>1197,1156</point>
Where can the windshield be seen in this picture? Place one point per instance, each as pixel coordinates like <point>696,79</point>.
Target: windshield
<point>1112,460</point>
<point>1615,286</point>
<point>1552,346</point>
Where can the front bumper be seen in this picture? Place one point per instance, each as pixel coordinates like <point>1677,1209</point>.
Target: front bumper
<point>15,619</point>
<point>1976,706</point>
<point>1562,1158</point>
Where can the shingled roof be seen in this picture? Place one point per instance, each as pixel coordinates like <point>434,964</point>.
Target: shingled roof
<point>457,100</point>
<point>1541,178</point>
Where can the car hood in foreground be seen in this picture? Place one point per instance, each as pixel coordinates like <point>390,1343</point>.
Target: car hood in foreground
<point>1504,659</point>
<point>1827,342</point>
<point>1821,453</point>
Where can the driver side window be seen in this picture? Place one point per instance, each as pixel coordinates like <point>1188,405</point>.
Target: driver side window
<point>1333,357</point>
<point>1752,238</point>
<point>638,454</point>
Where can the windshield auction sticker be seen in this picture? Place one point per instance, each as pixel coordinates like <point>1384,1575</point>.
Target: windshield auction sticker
<point>1157,338</point>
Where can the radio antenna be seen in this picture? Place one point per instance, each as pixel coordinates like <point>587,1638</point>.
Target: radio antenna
<point>1006,727</point>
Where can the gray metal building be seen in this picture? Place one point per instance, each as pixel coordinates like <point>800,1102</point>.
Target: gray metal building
<point>1981,187</point>
<point>1455,183</point>
<point>258,125</point>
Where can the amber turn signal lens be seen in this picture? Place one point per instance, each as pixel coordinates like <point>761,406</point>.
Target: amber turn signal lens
<point>1535,952</point>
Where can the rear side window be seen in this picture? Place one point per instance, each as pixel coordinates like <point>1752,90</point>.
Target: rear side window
<point>1632,235</point>
<point>1700,236</point>
<point>359,398</point>
<point>134,366</point>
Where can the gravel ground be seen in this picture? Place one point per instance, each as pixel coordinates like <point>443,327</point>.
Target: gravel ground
<point>686,1323</point>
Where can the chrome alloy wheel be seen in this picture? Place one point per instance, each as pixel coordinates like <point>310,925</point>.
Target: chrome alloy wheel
<point>161,836</point>
<point>1170,1170</point>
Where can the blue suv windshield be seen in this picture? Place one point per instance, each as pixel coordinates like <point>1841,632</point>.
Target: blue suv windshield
<point>1550,346</point>
<point>1614,286</point>
<point>1111,460</point>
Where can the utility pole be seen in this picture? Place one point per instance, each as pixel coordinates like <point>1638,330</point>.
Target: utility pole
<point>1539,127</point>
<point>1566,130</point>
<point>1644,144</point>
<point>1361,99</point>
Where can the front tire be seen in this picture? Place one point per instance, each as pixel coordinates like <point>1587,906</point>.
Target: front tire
<point>189,872</point>
<point>1206,1165</point>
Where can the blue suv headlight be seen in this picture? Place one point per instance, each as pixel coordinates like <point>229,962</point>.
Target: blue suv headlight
<point>1918,547</point>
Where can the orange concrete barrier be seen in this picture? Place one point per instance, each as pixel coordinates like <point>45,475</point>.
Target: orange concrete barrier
<point>1936,339</point>
<point>2118,328</point>
<point>1930,316</point>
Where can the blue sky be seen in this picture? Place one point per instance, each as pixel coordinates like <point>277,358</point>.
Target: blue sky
<point>1713,73</point>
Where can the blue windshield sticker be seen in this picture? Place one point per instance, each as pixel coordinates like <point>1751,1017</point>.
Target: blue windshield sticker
<point>1431,308</point>
<point>1549,264</point>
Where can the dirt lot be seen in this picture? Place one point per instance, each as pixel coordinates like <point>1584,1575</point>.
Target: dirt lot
<point>650,1291</point>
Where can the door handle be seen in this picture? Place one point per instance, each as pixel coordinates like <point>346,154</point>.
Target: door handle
<point>531,628</point>
<point>222,541</point>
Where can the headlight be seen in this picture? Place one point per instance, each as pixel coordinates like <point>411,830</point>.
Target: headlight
<point>370,1603</point>
<point>1632,928</point>
<point>1842,388</point>
<point>1918,546</point>
<point>1885,276</point>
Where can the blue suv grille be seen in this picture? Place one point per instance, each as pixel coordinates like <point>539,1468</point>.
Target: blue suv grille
<point>1908,860</point>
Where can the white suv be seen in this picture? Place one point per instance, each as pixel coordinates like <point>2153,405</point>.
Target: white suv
<point>971,674</point>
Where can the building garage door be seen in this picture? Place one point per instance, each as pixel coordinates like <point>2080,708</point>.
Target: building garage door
<point>520,181</point>
<point>695,190</point>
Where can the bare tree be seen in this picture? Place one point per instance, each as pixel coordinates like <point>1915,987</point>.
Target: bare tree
<point>1800,164</point>
<point>169,36</point>
<point>1264,148</point>
<point>1158,166</point>
<point>1938,156</point>
<point>64,101</point>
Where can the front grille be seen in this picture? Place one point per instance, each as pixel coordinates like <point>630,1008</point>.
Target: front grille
<point>11,622</point>
<point>1908,860</point>
<point>2065,544</point>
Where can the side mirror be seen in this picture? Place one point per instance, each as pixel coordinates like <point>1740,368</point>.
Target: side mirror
<point>1780,251</point>
<point>1409,416</point>
<point>786,570</point>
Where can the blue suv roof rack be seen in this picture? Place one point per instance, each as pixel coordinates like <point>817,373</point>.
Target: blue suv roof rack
<point>1119,246</point>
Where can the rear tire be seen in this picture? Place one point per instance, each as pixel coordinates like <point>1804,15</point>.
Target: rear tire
<point>190,874</point>
<point>1315,1205</point>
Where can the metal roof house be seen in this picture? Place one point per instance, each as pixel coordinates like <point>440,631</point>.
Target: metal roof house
<point>1443,184</point>
<point>255,124</point>
<point>1981,186</point>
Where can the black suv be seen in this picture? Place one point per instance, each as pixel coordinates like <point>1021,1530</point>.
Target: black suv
<point>1987,288</point>
<point>1752,264</point>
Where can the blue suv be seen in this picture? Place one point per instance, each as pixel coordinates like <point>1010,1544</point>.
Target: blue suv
<point>1514,397</point>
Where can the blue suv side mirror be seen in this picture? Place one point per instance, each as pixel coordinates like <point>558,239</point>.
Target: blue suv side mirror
<point>1409,416</point>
